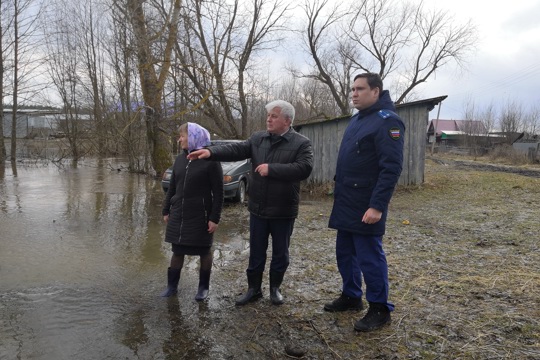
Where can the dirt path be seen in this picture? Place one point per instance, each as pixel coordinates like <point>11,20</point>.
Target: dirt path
<point>482,166</point>
<point>464,264</point>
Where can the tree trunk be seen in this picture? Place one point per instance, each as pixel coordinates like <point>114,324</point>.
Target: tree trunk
<point>13,156</point>
<point>152,84</point>
<point>3,153</point>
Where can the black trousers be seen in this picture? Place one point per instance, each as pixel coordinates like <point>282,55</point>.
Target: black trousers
<point>259,231</point>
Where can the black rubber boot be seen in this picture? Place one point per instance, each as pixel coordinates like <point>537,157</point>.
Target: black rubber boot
<point>204,285</point>
<point>276,278</point>
<point>254,289</point>
<point>377,316</point>
<point>173,277</point>
<point>344,303</point>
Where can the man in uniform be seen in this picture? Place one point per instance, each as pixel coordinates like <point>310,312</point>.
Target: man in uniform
<point>368,168</point>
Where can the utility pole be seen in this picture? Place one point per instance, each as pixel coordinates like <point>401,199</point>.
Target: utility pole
<point>435,129</point>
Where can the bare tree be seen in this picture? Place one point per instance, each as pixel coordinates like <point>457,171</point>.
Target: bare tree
<point>74,35</point>
<point>3,153</point>
<point>487,116</point>
<point>125,117</point>
<point>477,125</point>
<point>442,41</point>
<point>16,46</point>
<point>65,66</point>
<point>332,64</point>
<point>402,42</point>
<point>25,63</point>
<point>216,51</point>
<point>154,45</point>
<point>511,120</point>
<point>91,33</point>
<point>531,121</point>
<point>406,39</point>
<point>311,99</point>
<point>469,116</point>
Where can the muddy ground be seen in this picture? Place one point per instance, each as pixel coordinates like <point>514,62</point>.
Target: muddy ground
<point>464,263</point>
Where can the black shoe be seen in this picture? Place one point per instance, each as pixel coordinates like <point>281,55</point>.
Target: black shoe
<point>377,316</point>
<point>344,303</point>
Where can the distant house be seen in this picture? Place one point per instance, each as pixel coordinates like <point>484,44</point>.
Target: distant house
<point>326,137</point>
<point>453,131</point>
<point>33,123</point>
<point>528,144</point>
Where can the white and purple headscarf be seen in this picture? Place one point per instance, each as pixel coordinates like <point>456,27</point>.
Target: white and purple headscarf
<point>198,137</point>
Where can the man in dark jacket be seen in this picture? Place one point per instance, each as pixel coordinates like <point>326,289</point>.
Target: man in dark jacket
<point>368,168</point>
<point>280,159</point>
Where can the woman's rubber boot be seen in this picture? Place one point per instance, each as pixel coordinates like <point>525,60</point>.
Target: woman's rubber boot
<point>204,285</point>
<point>276,278</point>
<point>254,289</point>
<point>173,277</point>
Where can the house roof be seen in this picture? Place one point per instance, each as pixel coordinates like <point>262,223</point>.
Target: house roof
<point>452,132</point>
<point>429,103</point>
<point>457,126</point>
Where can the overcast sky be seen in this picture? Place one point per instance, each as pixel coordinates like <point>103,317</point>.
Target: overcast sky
<point>506,65</point>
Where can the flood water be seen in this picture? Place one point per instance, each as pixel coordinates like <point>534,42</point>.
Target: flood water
<point>82,263</point>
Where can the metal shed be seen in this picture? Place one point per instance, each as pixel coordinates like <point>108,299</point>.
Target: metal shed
<point>326,138</point>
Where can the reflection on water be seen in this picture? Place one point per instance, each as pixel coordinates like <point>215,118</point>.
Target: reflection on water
<point>86,218</point>
<point>186,339</point>
<point>82,260</point>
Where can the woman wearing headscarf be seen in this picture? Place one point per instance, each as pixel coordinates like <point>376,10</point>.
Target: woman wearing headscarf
<point>192,209</point>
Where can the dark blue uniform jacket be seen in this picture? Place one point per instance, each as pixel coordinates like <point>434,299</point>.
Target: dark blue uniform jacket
<point>368,167</point>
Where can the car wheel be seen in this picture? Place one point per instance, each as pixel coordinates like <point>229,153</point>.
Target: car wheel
<point>241,192</point>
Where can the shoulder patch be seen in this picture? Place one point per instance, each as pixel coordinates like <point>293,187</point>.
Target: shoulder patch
<point>385,114</point>
<point>395,133</point>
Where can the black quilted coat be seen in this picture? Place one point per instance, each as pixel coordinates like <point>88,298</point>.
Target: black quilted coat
<point>195,196</point>
<point>290,160</point>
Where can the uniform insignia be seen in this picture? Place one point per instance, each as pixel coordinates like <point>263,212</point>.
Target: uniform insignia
<point>395,133</point>
<point>384,114</point>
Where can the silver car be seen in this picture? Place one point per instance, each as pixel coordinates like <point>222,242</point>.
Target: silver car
<point>236,175</point>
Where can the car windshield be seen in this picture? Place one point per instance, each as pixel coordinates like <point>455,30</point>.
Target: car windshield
<point>226,166</point>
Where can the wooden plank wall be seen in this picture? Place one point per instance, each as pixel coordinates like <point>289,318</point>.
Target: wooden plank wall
<point>326,138</point>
